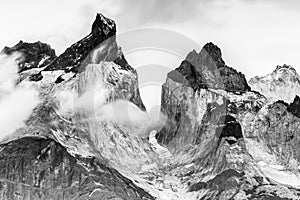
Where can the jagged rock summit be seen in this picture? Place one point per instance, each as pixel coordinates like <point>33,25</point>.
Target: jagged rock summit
<point>282,84</point>
<point>207,69</point>
<point>103,26</point>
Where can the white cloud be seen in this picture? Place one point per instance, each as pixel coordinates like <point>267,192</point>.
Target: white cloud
<point>16,101</point>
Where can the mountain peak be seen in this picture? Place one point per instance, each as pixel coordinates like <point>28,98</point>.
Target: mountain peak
<point>103,24</point>
<point>102,33</point>
<point>285,68</point>
<point>215,52</point>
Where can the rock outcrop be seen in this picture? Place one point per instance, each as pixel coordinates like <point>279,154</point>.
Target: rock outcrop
<point>282,84</point>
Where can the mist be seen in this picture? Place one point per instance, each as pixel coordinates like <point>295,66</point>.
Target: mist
<point>122,112</point>
<point>16,101</point>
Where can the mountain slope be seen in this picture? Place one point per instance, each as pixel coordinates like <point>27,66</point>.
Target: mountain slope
<point>56,155</point>
<point>39,168</point>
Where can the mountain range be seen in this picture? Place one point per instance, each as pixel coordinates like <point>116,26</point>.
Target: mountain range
<point>89,136</point>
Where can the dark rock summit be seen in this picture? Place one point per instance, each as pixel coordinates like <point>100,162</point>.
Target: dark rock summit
<point>35,55</point>
<point>103,26</point>
<point>207,69</point>
<point>102,30</point>
<point>214,52</point>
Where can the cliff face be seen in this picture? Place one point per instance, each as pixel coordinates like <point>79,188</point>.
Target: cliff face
<point>282,84</point>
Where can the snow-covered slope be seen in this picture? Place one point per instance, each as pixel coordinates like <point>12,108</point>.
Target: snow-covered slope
<point>282,84</point>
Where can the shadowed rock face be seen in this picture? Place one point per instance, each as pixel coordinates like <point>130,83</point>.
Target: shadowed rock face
<point>34,168</point>
<point>229,127</point>
<point>35,55</point>
<point>294,107</point>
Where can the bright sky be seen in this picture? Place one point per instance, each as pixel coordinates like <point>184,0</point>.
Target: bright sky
<point>254,35</point>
